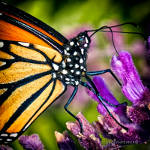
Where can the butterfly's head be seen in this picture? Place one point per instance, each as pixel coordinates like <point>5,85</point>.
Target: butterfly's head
<point>78,46</point>
<point>83,40</point>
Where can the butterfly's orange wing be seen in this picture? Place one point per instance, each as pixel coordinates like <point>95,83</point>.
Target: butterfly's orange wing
<point>28,48</point>
<point>16,25</point>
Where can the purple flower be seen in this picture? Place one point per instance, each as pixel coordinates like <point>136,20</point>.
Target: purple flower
<point>5,147</point>
<point>31,142</point>
<point>135,118</point>
<point>89,139</point>
<point>105,93</point>
<point>124,68</point>
<point>64,141</point>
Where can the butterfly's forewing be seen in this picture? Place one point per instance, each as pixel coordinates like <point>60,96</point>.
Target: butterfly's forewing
<point>17,25</point>
<point>27,86</point>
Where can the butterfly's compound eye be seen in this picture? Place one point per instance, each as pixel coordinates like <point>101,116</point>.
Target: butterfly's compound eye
<point>83,40</point>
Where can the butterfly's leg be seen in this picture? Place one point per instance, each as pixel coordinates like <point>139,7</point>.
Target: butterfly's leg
<point>95,91</point>
<point>93,73</point>
<point>69,112</point>
<point>91,89</point>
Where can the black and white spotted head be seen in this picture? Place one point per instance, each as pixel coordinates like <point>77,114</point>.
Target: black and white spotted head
<point>82,40</point>
<point>79,44</point>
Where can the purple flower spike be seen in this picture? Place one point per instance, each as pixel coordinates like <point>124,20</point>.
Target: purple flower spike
<point>89,139</point>
<point>5,147</point>
<point>31,142</point>
<point>64,141</point>
<point>124,68</point>
<point>131,123</point>
<point>105,93</point>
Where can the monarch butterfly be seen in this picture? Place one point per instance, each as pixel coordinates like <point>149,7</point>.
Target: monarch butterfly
<point>36,65</point>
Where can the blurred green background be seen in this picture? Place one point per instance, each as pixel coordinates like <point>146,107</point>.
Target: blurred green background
<point>66,16</point>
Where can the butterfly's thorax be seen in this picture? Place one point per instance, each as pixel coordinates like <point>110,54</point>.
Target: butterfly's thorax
<point>73,65</point>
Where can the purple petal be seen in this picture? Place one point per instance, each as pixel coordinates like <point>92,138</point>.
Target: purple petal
<point>64,141</point>
<point>5,147</point>
<point>120,111</point>
<point>105,93</point>
<point>124,68</point>
<point>89,139</point>
<point>31,142</point>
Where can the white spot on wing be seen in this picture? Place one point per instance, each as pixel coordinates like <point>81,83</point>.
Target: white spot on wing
<point>26,127</point>
<point>4,3</point>
<point>1,44</point>
<point>67,82</point>
<point>13,135</point>
<point>8,140</point>
<point>1,14</point>
<point>67,79</point>
<point>24,44</point>
<point>2,63</point>
<point>4,134</point>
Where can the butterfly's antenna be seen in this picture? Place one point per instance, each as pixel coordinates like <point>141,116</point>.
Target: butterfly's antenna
<point>112,38</point>
<point>114,26</point>
<point>106,27</point>
<point>138,33</point>
<point>101,29</point>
